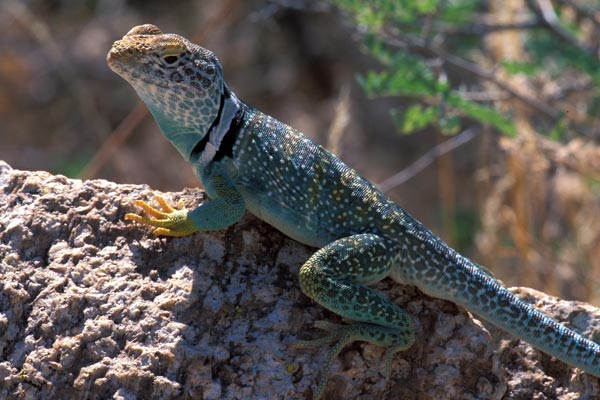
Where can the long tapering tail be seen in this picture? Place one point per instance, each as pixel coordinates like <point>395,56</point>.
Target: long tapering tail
<point>481,294</point>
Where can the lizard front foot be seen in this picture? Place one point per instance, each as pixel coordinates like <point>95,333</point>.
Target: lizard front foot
<point>167,220</point>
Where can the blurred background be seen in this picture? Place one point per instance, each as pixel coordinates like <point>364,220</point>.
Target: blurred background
<point>479,117</point>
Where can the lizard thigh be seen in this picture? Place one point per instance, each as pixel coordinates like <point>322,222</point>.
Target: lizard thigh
<point>336,276</point>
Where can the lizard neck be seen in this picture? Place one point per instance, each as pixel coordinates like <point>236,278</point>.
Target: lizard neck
<point>205,140</point>
<point>222,134</point>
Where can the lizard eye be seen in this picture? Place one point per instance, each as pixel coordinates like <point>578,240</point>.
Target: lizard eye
<point>171,59</point>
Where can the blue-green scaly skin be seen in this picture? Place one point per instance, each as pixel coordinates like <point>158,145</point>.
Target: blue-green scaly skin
<point>310,195</point>
<point>254,162</point>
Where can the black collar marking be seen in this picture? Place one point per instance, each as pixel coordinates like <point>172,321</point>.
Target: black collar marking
<point>199,147</point>
<point>230,137</point>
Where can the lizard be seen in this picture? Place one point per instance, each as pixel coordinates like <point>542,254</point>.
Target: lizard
<point>249,161</point>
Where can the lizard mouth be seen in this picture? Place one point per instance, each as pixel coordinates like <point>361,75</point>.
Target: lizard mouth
<point>125,62</point>
<point>115,57</point>
<point>122,59</point>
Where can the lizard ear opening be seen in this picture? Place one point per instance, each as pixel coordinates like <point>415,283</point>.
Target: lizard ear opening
<point>146,29</point>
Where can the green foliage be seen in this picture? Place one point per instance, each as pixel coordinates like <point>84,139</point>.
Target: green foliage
<point>459,13</point>
<point>407,38</point>
<point>558,59</point>
<point>593,183</point>
<point>519,67</point>
<point>376,13</point>
<point>71,166</point>
<point>433,101</point>
<point>559,131</point>
<point>414,118</point>
<point>408,75</point>
<point>484,114</point>
<point>450,124</point>
<point>467,225</point>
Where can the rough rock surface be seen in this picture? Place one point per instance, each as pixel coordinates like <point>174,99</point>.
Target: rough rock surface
<point>92,307</point>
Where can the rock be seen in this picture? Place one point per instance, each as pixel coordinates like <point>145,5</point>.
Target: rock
<point>93,307</point>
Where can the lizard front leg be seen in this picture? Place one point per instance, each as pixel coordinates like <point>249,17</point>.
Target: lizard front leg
<point>335,277</point>
<point>224,210</point>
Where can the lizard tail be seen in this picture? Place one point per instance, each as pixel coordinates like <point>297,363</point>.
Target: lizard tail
<point>481,294</point>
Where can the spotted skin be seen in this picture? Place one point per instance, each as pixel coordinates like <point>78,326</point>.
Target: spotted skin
<point>247,160</point>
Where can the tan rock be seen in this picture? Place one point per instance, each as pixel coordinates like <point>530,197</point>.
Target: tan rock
<point>92,307</point>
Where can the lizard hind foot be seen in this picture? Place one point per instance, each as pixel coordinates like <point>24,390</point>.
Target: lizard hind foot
<point>342,335</point>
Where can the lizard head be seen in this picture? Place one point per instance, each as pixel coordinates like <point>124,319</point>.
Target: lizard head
<point>180,82</point>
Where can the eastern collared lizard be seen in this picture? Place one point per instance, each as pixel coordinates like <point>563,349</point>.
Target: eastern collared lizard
<point>247,160</point>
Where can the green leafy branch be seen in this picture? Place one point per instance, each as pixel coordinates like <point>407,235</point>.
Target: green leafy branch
<point>424,49</point>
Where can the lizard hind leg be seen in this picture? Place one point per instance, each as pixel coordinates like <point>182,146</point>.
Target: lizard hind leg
<point>335,277</point>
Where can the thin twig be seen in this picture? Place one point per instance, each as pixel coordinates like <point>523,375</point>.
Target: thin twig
<point>545,10</point>
<point>419,46</point>
<point>590,14</point>
<point>340,121</point>
<point>482,29</point>
<point>485,96</point>
<point>428,158</point>
<point>114,141</point>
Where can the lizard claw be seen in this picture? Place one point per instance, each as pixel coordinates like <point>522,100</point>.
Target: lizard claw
<point>342,335</point>
<point>167,220</point>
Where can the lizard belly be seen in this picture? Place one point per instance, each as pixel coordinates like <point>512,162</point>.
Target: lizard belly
<point>292,223</point>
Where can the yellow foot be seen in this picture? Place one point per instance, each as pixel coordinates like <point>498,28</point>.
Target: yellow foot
<point>167,220</point>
